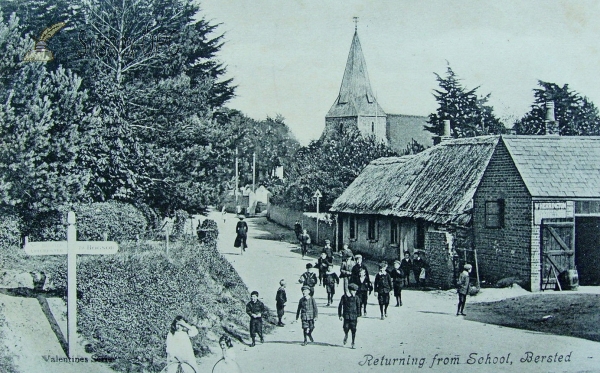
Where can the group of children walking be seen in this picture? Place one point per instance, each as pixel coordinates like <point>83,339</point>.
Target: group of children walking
<point>357,285</point>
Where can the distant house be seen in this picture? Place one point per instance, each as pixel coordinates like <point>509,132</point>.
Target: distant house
<point>529,206</point>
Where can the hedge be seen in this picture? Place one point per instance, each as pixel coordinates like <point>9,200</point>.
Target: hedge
<point>119,221</point>
<point>128,301</point>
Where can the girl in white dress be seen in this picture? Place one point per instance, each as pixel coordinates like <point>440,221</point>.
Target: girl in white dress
<point>227,364</point>
<point>179,346</point>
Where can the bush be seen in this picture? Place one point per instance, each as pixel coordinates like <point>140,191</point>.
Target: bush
<point>208,231</point>
<point>10,230</point>
<point>119,221</point>
<point>129,300</point>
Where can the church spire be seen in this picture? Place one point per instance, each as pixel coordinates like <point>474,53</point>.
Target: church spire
<point>356,96</point>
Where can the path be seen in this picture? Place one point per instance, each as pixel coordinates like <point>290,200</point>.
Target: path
<point>408,340</point>
<point>33,344</point>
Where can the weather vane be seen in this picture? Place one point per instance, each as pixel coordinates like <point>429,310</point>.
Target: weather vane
<point>355,23</point>
<point>41,53</point>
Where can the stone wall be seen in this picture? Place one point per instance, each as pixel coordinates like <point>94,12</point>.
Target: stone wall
<point>288,217</point>
<point>441,270</point>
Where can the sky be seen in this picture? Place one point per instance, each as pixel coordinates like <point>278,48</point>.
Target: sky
<point>288,56</point>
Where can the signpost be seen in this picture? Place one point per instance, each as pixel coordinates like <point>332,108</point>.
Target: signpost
<point>317,195</point>
<point>71,247</point>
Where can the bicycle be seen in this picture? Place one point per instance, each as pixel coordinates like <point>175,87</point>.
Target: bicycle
<point>178,367</point>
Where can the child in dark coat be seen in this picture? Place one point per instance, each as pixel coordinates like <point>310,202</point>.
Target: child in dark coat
<point>280,301</point>
<point>309,279</point>
<point>364,290</point>
<point>406,267</point>
<point>383,286</point>
<point>255,309</point>
<point>329,282</point>
<point>322,264</point>
<point>307,310</point>
<point>397,276</point>
<point>348,311</point>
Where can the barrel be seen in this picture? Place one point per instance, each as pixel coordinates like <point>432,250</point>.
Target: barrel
<point>569,279</point>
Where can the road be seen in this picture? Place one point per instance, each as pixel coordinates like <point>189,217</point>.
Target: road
<point>422,335</point>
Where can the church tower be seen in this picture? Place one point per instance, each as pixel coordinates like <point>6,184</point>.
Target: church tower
<point>355,107</point>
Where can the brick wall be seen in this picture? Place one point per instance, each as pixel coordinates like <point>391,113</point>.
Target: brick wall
<point>505,252</point>
<point>441,270</point>
<point>288,217</point>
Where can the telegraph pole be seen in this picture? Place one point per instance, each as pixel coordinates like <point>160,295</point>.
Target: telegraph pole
<point>317,195</point>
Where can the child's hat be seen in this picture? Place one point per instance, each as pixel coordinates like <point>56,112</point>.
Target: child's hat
<point>308,265</point>
<point>397,262</point>
<point>327,241</point>
<point>353,287</point>
<point>468,266</point>
<point>383,264</point>
<point>254,293</point>
<point>282,282</point>
<point>305,288</point>
<point>357,256</point>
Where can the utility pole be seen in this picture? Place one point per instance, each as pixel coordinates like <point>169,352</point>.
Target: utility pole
<point>254,172</point>
<point>317,195</point>
<point>236,177</point>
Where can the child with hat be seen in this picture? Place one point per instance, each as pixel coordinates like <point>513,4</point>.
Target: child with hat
<point>322,264</point>
<point>328,251</point>
<point>348,311</point>
<point>280,301</point>
<point>463,288</point>
<point>309,279</point>
<point>383,286</point>
<point>308,312</point>
<point>330,281</point>
<point>364,290</point>
<point>398,281</point>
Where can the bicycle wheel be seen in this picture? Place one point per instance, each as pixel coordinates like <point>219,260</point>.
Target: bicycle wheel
<point>178,367</point>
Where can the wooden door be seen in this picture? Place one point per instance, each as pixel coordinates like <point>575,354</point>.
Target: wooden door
<point>558,248</point>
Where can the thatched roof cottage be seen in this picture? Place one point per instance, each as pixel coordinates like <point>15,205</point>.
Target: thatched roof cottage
<point>516,200</point>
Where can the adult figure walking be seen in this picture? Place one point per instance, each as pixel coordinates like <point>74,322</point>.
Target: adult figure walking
<point>463,288</point>
<point>241,230</point>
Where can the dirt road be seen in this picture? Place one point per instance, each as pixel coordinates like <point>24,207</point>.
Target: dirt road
<point>422,335</point>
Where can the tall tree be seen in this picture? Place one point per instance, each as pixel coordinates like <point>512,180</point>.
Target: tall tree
<point>330,165</point>
<point>155,80</point>
<point>468,113</point>
<point>43,128</point>
<point>576,115</point>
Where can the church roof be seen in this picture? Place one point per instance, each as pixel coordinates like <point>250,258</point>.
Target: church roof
<point>356,96</point>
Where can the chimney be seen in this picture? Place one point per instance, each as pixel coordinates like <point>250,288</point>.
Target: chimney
<point>550,123</point>
<point>445,136</point>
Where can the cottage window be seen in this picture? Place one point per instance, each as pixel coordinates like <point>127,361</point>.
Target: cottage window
<point>353,227</point>
<point>372,229</point>
<point>372,127</point>
<point>394,232</point>
<point>494,214</point>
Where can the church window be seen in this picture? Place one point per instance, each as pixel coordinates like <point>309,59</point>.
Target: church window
<point>372,127</point>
